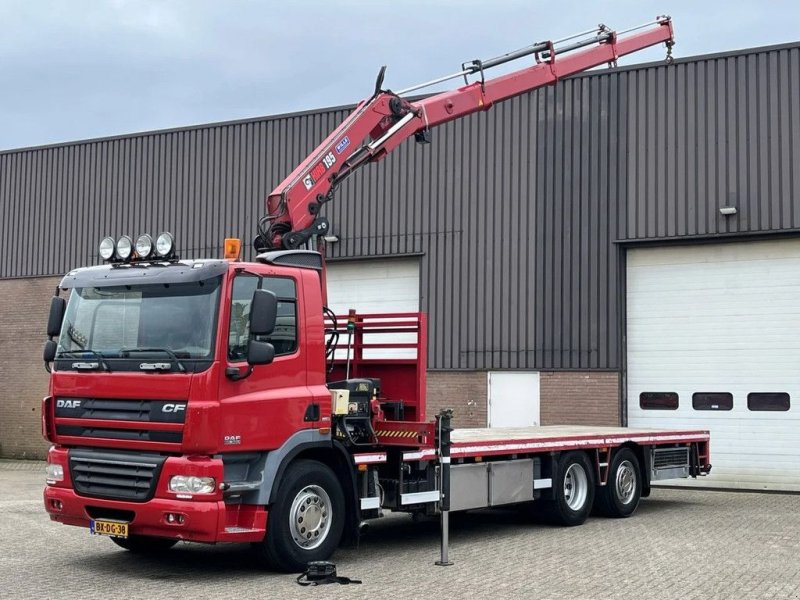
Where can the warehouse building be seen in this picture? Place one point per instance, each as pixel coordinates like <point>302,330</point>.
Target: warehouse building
<point>621,248</point>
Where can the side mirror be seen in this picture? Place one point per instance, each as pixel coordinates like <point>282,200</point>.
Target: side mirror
<point>49,354</point>
<point>263,313</point>
<point>260,353</point>
<point>57,308</point>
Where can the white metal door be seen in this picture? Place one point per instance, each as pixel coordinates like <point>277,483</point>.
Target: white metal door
<point>722,319</point>
<point>513,398</point>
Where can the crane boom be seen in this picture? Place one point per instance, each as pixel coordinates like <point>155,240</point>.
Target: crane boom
<point>380,123</point>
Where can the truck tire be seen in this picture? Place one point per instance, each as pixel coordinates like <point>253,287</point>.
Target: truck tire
<point>573,491</point>
<point>621,495</point>
<point>141,544</point>
<point>307,519</point>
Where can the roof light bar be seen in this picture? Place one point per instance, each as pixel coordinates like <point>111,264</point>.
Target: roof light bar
<point>124,250</point>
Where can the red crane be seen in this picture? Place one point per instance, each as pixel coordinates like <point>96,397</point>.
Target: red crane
<point>383,121</point>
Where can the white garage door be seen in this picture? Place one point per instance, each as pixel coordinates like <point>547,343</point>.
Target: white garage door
<point>376,286</point>
<point>715,329</point>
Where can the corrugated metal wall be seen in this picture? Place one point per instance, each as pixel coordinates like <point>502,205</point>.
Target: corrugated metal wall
<point>515,211</point>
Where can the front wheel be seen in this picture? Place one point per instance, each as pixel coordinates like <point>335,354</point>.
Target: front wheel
<point>307,519</point>
<point>620,496</point>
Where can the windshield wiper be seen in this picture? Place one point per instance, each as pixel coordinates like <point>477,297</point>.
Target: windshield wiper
<point>126,351</point>
<point>85,366</point>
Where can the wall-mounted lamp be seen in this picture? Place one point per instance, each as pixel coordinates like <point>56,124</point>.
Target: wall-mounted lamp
<point>331,239</point>
<point>727,210</point>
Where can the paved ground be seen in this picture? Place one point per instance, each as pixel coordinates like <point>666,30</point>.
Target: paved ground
<point>680,544</point>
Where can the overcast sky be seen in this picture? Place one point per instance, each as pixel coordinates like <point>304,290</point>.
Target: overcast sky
<point>77,69</point>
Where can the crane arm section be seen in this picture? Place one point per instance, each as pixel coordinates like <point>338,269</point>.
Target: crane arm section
<point>385,120</point>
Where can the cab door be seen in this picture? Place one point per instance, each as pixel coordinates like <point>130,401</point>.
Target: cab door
<point>262,410</point>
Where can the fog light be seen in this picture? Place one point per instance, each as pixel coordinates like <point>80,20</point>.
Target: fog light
<point>54,473</point>
<point>184,484</point>
<point>106,248</point>
<point>56,505</point>
<point>144,246</point>
<point>173,518</point>
<point>124,247</point>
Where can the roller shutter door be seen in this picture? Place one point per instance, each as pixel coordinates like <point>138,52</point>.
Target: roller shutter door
<point>374,286</point>
<point>717,329</point>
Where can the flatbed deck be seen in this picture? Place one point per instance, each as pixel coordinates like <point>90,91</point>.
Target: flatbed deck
<point>509,440</point>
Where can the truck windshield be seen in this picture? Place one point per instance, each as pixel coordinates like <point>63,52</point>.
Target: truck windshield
<point>110,321</point>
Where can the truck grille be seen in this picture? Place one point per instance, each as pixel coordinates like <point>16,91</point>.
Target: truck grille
<point>154,411</point>
<point>116,475</point>
<point>139,435</point>
<point>146,420</point>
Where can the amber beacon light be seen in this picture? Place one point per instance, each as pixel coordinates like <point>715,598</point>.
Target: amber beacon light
<point>233,248</point>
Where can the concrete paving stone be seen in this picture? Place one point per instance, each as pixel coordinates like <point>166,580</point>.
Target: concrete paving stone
<point>681,543</point>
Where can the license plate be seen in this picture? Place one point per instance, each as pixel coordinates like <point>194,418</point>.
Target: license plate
<point>112,528</point>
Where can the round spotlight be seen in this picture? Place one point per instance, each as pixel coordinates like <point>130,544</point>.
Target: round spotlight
<point>165,244</point>
<point>144,246</point>
<point>106,249</point>
<point>124,247</point>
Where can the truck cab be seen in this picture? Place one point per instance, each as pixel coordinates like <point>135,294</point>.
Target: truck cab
<point>156,407</point>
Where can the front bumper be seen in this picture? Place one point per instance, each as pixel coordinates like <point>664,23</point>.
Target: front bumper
<point>201,520</point>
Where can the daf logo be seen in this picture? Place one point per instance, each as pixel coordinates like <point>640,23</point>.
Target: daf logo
<point>173,408</point>
<point>233,440</point>
<point>68,403</point>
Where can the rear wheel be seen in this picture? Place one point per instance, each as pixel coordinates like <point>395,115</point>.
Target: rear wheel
<point>141,544</point>
<point>573,490</point>
<point>307,519</point>
<point>621,495</point>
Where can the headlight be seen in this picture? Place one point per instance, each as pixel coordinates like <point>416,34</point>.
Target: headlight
<point>165,244</point>
<point>124,247</point>
<point>144,245</point>
<point>106,248</point>
<point>54,473</point>
<point>184,484</point>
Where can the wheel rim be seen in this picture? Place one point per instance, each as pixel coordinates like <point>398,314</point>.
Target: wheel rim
<point>310,517</point>
<point>576,487</point>
<point>626,482</point>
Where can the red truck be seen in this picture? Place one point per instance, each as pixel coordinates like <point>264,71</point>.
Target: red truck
<point>214,400</point>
